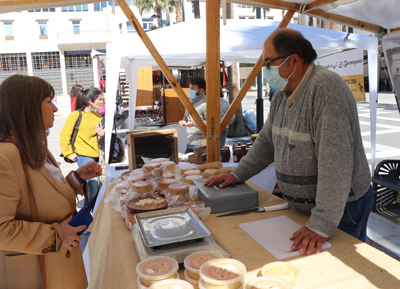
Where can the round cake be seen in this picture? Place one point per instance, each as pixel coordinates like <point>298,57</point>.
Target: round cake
<point>164,183</point>
<point>121,189</point>
<point>178,189</point>
<point>189,179</point>
<point>159,160</point>
<point>187,168</point>
<point>148,168</point>
<point>168,166</point>
<point>141,187</point>
<point>192,172</point>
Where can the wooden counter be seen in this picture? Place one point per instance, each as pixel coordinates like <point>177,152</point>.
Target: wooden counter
<point>348,264</point>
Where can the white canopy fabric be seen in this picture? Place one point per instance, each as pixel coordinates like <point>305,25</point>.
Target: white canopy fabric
<point>185,44</point>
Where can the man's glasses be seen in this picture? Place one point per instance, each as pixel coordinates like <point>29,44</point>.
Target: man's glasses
<point>266,63</point>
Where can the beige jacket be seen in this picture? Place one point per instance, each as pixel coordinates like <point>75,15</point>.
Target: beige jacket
<point>21,240</point>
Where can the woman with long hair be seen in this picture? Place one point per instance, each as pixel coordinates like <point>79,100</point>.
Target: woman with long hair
<point>86,145</point>
<point>72,95</point>
<point>38,249</point>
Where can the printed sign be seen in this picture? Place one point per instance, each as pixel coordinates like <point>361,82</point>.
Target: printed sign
<point>391,47</point>
<point>349,65</point>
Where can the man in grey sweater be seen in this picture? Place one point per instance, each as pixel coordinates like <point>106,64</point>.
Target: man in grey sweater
<point>197,88</point>
<point>313,136</point>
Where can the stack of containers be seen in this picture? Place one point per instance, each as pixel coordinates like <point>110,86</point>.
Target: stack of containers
<point>281,270</point>
<point>193,263</point>
<point>156,269</point>
<point>222,273</point>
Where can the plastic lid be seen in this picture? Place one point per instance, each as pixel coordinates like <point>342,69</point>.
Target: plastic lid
<point>194,261</point>
<point>281,270</point>
<point>268,282</point>
<point>172,284</point>
<point>157,268</point>
<point>222,271</point>
<point>203,286</point>
<point>140,284</point>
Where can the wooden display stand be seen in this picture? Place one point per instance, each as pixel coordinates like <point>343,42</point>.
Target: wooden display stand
<point>152,144</point>
<point>173,106</point>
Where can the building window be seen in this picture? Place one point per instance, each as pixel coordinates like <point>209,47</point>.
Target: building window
<point>46,65</point>
<point>242,17</point>
<point>252,17</point>
<point>12,63</point>
<point>147,24</point>
<point>42,29</point>
<point>77,8</point>
<point>100,6</point>
<point>129,27</point>
<point>270,17</point>
<point>76,26</point>
<point>120,28</point>
<point>79,68</point>
<point>43,10</point>
<point>295,20</point>
<point>8,30</point>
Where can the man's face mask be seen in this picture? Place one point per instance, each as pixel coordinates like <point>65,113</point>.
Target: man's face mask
<point>192,94</point>
<point>273,77</point>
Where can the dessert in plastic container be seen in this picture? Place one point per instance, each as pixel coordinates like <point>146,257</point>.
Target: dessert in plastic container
<point>203,286</point>
<point>268,282</point>
<point>281,270</point>
<point>195,283</point>
<point>223,273</point>
<point>194,261</point>
<point>141,286</point>
<point>172,284</point>
<point>155,269</point>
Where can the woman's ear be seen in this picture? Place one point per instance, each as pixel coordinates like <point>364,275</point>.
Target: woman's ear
<point>90,102</point>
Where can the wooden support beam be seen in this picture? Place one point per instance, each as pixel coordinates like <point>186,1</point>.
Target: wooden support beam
<point>345,20</point>
<point>317,3</point>
<point>250,79</point>
<point>213,81</point>
<point>163,66</point>
<point>395,29</point>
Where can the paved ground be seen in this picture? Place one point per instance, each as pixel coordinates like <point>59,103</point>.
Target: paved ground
<point>387,147</point>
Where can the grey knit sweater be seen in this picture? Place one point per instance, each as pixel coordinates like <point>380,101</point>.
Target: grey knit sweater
<point>315,141</point>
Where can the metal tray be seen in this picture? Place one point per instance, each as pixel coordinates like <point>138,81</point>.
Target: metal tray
<point>170,226</point>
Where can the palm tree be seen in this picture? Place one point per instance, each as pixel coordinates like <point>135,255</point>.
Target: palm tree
<point>179,11</point>
<point>156,6</point>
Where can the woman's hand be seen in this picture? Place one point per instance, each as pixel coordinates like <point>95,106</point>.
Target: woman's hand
<point>89,170</point>
<point>70,238</point>
<point>99,130</point>
<point>74,157</point>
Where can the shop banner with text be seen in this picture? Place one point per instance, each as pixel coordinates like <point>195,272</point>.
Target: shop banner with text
<point>349,65</point>
<point>391,47</point>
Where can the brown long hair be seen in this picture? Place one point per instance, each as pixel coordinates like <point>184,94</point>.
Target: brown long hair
<point>74,91</point>
<point>21,118</point>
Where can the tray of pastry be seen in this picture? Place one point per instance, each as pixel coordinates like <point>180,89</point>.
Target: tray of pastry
<point>170,226</point>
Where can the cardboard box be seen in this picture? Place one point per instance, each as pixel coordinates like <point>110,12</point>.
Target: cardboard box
<point>152,144</point>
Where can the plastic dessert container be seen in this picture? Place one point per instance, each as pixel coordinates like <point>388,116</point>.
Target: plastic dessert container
<point>195,283</point>
<point>268,282</point>
<point>202,286</point>
<point>141,286</point>
<point>281,270</point>
<point>224,273</point>
<point>155,269</point>
<point>194,261</point>
<point>172,284</point>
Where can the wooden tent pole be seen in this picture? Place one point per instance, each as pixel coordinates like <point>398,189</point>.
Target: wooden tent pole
<point>161,63</point>
<point>213,79</point>
<point>250,79</point>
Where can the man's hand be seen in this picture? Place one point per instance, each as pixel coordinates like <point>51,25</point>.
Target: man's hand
<point>182,123</point>
<point>308,240</point>
<point>89,170</point>
<point>190,123</point>
<point>229,179</point>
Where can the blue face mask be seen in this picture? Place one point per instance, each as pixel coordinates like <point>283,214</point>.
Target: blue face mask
<point>192,94</point>
<point>273,77</point>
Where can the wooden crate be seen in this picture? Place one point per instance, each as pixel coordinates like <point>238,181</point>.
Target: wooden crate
<point>152,144</point>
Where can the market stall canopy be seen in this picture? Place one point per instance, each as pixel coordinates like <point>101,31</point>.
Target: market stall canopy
<point>241,41</point>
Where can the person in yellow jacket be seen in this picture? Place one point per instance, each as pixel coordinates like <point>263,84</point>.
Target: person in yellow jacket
<point>86,145</point>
